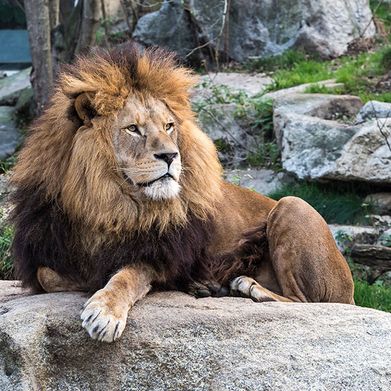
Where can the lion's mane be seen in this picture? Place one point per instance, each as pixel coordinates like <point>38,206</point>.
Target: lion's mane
<point>73,212</point>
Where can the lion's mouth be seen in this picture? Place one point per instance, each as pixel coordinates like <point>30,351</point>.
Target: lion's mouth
<point>146,184</point>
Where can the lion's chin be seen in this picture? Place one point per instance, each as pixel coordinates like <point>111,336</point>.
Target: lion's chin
<point>163,189</point>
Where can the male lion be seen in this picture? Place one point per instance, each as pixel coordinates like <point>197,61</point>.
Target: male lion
<point>117,191</point>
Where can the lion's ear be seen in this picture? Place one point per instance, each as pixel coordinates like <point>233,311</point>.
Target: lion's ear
<point>84,107</point>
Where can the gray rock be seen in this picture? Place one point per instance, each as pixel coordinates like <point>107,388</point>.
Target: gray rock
<point>262,180</point>
<point>251,84</point>
<point>374,110</point>
<point>11,86</point>
<point>232,83</point>
<point>175,342</point>
<point>346,235</point>
<point>169,27</point>
<point>10,136</point>
<point>256,28</point>
<point>385,238</point>
<point>380,201</point>
<point>24,107</point>
<point>382,221</point>
<point>233,137</point>
<point>366,156</point>
<point>318,139</point>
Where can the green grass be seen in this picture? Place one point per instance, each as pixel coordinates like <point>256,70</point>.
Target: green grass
<point>337,205</point>
<point>372,296</point>
<point>7,164</point>
<point>6,234</point>
<point>358,74</point>
<point>286,60</point>
<point>307,71</point>
<point>382,11</point>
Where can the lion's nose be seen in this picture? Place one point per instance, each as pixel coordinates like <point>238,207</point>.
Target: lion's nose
<point>167,157</point>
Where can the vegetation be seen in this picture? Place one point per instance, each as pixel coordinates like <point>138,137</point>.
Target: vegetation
<point>7,164</point>
<point>359,74</point>
<point>254,113</point>
<point>6,234</point>
<point>376,296</point>
<point>339,204</point>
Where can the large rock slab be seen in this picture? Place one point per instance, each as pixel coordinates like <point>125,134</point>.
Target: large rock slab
<point>256,28</point>
<point>12,86</point>
<point>320,138</point>
<point>175,342</point>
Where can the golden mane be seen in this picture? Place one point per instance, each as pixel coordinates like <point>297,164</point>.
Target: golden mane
<point>74,165</point>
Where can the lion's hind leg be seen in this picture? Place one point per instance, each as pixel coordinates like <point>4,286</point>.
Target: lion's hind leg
<point>248,287</point>
<point>51,281</point>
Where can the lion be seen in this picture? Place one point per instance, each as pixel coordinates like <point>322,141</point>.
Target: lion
<point>119,192</point>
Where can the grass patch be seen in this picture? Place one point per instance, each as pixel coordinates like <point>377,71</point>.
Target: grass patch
<point>338,204</point>
<point>359,75</point>
<point>306,71</point>
<point>6,235</point>
<point>7,164</point>
<point>286,60</point>
<point>382,12</point>
<point>372,296</point>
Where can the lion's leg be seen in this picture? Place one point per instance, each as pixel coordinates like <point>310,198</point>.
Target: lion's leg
<point>306,261</point>
<point>248,287</point>
<point>51,281</point>
<point>104,314</point>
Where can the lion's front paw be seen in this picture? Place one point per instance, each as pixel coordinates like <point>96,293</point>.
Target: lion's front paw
<point>104,317</point>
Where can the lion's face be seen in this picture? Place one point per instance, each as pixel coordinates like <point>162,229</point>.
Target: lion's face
<point>145,147</point>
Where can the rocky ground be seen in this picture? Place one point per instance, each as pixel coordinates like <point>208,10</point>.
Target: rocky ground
<point>174,341</point>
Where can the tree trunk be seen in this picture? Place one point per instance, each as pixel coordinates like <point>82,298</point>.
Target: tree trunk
<point>38,26</point>
<point>89,26</point>
<point>54,13</point>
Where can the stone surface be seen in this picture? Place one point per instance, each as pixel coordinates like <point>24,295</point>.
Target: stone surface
<point>169,27</point>
<point>347,235</point>
<point>251,84</point>
<point>374,110</point>
<point>175,342</point>
<point>11,86</point>
<point>10,136</point>
<point>380,201</point>
<point>261,180</point>
<point>319,140</point>
<point>233,137</point>
<point>257,28</point>
<point>24,107</point>
<point>382,221</point>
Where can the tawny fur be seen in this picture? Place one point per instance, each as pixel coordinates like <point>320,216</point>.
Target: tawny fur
<point>79,165</point>
<point>69,165</point>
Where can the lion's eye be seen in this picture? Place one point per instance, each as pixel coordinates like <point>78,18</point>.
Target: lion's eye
<point>132,129</point>
<point>169,127</point>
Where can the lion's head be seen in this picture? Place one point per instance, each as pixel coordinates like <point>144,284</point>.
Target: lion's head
<point>145,141</point>
<point>118,147</point>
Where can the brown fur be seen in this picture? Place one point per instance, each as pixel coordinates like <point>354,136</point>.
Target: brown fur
<point>77,164</point>
<point>78,222</point>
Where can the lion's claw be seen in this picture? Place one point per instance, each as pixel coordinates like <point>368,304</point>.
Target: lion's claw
<point>101,321</point>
